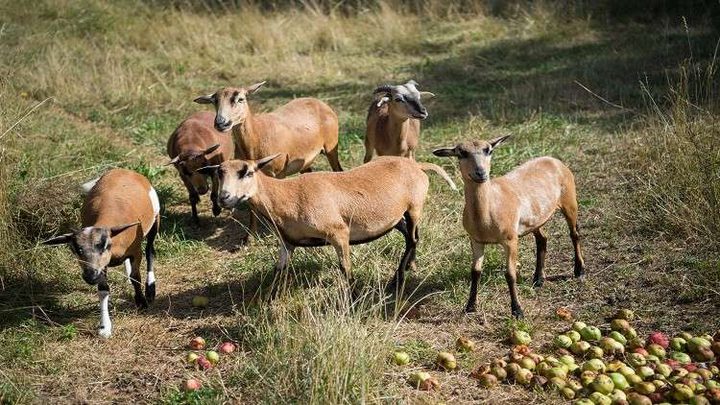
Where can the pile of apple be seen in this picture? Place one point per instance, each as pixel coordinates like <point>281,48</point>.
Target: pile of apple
<point>615,367</point>
<point>204,360</point>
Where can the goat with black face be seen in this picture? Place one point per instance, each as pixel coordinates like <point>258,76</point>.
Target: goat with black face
<point>120,210</point>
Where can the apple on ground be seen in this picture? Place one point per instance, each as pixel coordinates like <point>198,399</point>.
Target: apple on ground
<point>227,347</point>
<point>197,343</point>
<point>191,384</point>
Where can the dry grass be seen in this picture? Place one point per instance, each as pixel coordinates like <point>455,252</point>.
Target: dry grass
<point>122,74</point>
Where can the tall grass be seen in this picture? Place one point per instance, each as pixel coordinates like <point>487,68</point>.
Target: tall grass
<point>679,188</point>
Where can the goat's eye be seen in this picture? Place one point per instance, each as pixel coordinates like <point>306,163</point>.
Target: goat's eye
<point>487,150</point>
<point>249,174</point>
<point>79,251</point>
<point>399,99</point>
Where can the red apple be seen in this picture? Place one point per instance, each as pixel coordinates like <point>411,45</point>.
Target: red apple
<point>191,384</point>
<point>197,343</point>
<point>204,363</point>
<point>227,347</point>
<point>641,350</point>
<point>659,338</point>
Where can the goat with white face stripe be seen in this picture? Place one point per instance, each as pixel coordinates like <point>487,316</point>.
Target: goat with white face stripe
<point>501,210</point>
<point>393,121</point>
<point>120,210</point>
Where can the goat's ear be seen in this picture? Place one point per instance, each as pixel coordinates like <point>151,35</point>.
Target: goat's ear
<point>59,240</point>
<point>209,99</point>
<point>208,170</point>
<point>117,229</point>
<point>255,87</point>
<point>445,152</point>
<point>264,161</point>
<point>174,161</point>
<point>497,141</point>
<point>426,94</point>
<point>382,101</point>
<point>211,149</point>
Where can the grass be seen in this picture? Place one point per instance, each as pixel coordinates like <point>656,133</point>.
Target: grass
<point>88,85</point>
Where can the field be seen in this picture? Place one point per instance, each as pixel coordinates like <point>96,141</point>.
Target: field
<point>630,104</point>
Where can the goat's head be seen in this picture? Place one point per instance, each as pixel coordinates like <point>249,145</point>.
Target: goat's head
<point>238,179</point>
<point>231,106</point>
<point>187,163</point>
<point>474,157</point>
<point>403,100</point>
<point>91,246</point>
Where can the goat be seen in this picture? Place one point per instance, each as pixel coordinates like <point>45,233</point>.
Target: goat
<point>339,209</point>
<point>501,210</point>
<point>196,143</point>
<point>120,210</point>
<point>298,131</point>
<point>393,120</point>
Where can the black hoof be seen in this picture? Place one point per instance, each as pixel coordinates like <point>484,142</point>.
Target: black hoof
<point>538,282</point>
<point>150,293</point>
<point>141,302</point>
<point>579,272</point>
<point>518,313</point>
<point>469,309</point>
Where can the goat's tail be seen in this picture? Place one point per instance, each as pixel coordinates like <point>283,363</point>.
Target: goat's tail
<point>86,187</point>
<point>439,170</point>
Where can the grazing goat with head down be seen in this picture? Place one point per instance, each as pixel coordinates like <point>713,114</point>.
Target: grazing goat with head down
<point>393,120</point>
<point>503,209</point>
<point>120,210</point>
<point>195,144</point>
<point>339,209</point>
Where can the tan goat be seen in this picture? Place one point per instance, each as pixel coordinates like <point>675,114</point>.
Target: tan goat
<point>298,131</point>
<point>501,210</point>
<point>119,211</point>
<point>339,209</point>
<point>195,144</point>
<point>393,120</point>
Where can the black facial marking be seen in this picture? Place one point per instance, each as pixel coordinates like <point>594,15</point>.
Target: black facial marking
<point>242,172</point>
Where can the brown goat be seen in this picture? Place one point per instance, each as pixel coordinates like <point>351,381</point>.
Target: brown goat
<point>120,210</point>
<point>196,143</point>
<point>298,131</point>
<point>339,209</point>
<point>508,207</point>
<point>393,120</point>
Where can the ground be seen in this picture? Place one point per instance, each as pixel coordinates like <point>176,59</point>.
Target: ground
<point>87,86</point>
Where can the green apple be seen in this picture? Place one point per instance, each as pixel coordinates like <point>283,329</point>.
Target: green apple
<point>401,358</point>
<point>619,380</point>
<point>446,361</point>
<point>595,365</point>
<point>488,380</point>
<point>678,344</point>
<point>617,336</point>
<point>574,335</point>
<point>520,337</point>
<point>562,341</point>
<point>590,333</point>
<point>212,356</point>
<point>599,398</point>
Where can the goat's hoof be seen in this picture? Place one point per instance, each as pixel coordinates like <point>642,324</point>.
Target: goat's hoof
<point>141,302</point>
<point>518,313</point>
<point>104,332</point>
<point>537,283</point>
<point>150,293</point>
<point>469,309</point>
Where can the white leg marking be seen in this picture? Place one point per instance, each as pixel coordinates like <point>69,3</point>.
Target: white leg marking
<point>105,329</point>
<point>154,200</point>
<point>128,270</point>
<point>86,187</point>
<point>150,278</point>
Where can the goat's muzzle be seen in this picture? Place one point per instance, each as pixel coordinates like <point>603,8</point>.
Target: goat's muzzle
<point>91,276</point>
<point>479,176</point>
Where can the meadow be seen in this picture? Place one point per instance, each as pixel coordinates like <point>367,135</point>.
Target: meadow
<point>629,103</point>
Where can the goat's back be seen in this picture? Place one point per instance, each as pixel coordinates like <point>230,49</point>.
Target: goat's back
<point>197,133</point>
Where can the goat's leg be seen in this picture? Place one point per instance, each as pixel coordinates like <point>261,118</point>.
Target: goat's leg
<point>540,250</point>
<point>331,152</point>
<point>369,149</point>
<point>105,328</point>
<point>136,280</point>
<point>128,270</point>
<point>570,211</point>
<point>511,251</point>
<point>280,273</point>
<point>340,240</point>
<point>410,231</point>
<point>478,250</point>
<point>149,259</point>
<point>216,209</point>
<point>193,196</point>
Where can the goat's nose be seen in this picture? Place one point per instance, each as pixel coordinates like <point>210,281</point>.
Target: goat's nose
<point>219,121</point>
<point>224,195</point>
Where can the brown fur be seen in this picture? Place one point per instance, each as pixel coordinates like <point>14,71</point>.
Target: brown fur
<point>188,146</point>
<point>501,210</point>
<point>339,209</point>
<point>393,121</point>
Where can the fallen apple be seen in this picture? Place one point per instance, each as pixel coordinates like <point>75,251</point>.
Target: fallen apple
<point>619,325</point>
<point>556,383</point>
<point>429,384</point>
<point>524,376</point>
<point>564,314</point>
<point>603,384</point>
<point>618,397</point>
<point>624,314</point>
<point>590,333</point>
<point>446,361</point>
<point>527,363</point>
<point>562,341</point>
<point>498,372</point>
<point>595,352</point>
<point>617,336</point>
<point>213,357</point>
<point>678,344</point>
<point>577,326</point>
<point>200,301</point>
<point>599,398</point>
<point>191,358</point>
<point>417,377</point>
<point>488,380</point>
<point>574,335</point>
<point>619,380</point>
<point>638,399</point>
<point>464,344</point>
<point>191,384</point>
<point>595,365</point>
<point>204,363</point>
<point>658,338</point>
<point>227,347</point>
<point>197,343</point>
<point>520,337</point>
<point>567,393</point>
<point>401,358</point>
<point>680,357</point>
<point>580,348</point>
